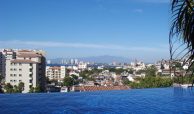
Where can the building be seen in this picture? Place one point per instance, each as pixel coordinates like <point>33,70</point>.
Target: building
<point>27,66</point>
<point>55,73</point>
<point>82,66</point>
<point>1,62</point>
<point>48,61</point>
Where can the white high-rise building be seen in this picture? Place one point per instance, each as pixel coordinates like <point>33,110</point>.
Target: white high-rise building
<point>27,66</point>
<point>76,61</point>
<point>55,73</point>
<point>82,65</point>
<point>48,61</point>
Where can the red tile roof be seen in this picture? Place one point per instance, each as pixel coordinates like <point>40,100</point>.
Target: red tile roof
<point>22,61</point>
<point>100,88</point>
<point>55,68</point>
<point>32,55</point>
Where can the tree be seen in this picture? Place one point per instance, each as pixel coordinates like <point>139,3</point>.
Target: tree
<point>31,90</point>
<point>16,89</point>
<point>1,90</point>
<point>150,71</point>
<point>68,81</point>
<point>1,77</point>
<point>37,89</point>
<point>126,81</point>
<point>8,88</point>
<point>75,79</point>
<point>20,87</point>
<point>152,82</point>
<point>182,30</point>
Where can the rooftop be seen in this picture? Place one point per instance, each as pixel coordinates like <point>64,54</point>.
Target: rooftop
<point>22,61</point>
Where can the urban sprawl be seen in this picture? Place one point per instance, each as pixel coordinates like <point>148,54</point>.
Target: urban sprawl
<point>23,70</point>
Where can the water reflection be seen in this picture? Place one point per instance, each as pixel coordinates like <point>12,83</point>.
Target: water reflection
<point>180,92</point>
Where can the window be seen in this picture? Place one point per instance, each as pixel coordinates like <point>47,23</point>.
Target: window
<point>30,81</point>
<point>20,64</point>
<point>15,69</point>
<point>11,80</point>
<point>20,69</point>
<point>30,70</point>
<point>11,74</point>
<point>11,69</point>
<point>30,75</point>
<point>20,75</point>
<point>30,64</point>
<point>15,75</point>
<point>20,80</point>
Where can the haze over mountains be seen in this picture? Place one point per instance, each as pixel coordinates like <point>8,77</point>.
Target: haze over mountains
<point>97,59</point>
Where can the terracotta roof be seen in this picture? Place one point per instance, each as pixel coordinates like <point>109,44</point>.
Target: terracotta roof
<point>22,61</point>
<point>55,68</point>
<point>32,55</point>
<point>24,50</point>
<point>100,88</point>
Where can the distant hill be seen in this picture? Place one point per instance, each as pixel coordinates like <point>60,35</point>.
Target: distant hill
<point>105,59</point>
<point>97,59</point>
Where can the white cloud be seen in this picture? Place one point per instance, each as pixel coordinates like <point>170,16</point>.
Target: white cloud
<point>51,44</point>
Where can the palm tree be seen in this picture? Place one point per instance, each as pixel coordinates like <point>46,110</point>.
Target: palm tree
<point>182,31</point>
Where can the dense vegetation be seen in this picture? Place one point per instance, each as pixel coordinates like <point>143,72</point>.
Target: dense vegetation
<point>14,89</point>
<point>152,82</point>
<point>183,80</point>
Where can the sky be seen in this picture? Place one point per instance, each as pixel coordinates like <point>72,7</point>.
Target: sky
<point>136,29</point>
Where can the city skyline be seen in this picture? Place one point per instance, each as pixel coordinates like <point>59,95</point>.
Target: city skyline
<point>127,28</point>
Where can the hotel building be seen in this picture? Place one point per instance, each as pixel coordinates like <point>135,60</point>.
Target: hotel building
<point>27,66</point>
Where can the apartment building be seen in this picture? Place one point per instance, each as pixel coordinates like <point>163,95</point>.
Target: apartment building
<point>55,73</point>
<point>82,65</point>
<point>1,62</point>
<point>27,66</point>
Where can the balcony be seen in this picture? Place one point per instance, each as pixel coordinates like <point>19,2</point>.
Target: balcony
<point>30,78</point>
<point>30,73</point>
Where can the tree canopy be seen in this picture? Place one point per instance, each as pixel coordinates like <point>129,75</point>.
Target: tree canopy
<point>182,31</point>
<point>68,81</point>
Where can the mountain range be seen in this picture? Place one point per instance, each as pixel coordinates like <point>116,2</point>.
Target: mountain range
<point>96,59</point>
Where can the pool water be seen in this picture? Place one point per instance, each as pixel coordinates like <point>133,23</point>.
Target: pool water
<point>135,101</point>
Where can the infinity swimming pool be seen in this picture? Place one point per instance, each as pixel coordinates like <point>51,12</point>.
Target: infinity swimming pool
<point>136,101</point>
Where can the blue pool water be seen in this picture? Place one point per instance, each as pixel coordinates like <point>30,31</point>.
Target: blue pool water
<point>136,101</point>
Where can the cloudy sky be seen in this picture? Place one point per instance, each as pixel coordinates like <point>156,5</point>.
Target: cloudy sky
<point>136,29</point>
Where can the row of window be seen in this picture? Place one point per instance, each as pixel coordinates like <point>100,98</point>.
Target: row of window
<point>15,81</point>
<point>15,75</point>
<point>30,81</point>
<point>14,69</point>
<point>16,64</point>
<point>54,76</point>
<point>53,72</point>
<point>20,64</point>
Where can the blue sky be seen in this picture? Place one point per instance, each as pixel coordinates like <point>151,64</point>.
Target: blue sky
<point>136,29</point>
